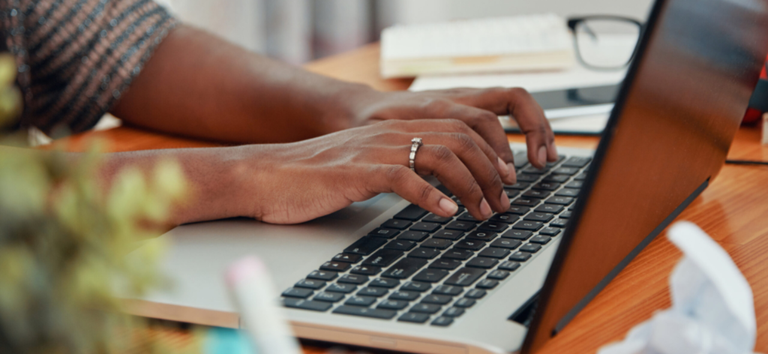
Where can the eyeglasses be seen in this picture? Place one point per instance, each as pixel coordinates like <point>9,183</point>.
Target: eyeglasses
<point>605,42</point>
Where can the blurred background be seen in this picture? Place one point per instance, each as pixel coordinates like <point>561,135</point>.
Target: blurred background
<point>297,31</point>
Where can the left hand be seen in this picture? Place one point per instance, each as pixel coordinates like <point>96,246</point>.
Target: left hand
<point>478,108</point>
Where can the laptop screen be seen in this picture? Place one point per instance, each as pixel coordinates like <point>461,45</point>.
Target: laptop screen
<point>668,136</point>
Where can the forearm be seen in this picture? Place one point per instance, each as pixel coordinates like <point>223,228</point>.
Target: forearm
<point>199,85</point>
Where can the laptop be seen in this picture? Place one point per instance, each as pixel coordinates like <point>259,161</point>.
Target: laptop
<point>386,274</point>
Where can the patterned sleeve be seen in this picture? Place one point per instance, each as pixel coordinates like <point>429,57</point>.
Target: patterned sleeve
<point>76,57</point>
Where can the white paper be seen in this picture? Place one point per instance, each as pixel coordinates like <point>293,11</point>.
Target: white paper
<point>712,305</point>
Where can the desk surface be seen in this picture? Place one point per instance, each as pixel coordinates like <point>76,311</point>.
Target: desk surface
<point>733,210</point>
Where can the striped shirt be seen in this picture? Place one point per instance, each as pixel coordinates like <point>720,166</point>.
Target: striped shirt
<point>76,57</point>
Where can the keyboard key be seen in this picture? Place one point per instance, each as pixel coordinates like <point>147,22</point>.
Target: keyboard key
<point>581,177</point>
<point>527,178</point>
<point>559,223</point>
<point>392,305</point>
<point>482,262</point>
<point>365,312</point>
<point>566,215</point>
<point>438,243</point>
<point>505,218</point>
<point>445,263</point>
<point>424,252</point>
<point>444,189</point>
<point>328,297</point>
<point>498,275</point>
<point>534,171</point>
<point>536,194</point>
<point>530,248</point>
<point>559,200</point>
<point>396,224</point>
<point>353,279</point>
<point>536,216</point>
<point>460,225</point>
<point>372,292</point>
<point>448,290</point>
<point>505,243</point>
<point>404,295</point>
<point>486,284</point>
<point>481,236</point>
<point>383,258</point>
<point>436,299</point>
<point>366,270</point>
<point>454,312</point>
<point>431,275</point>
<point>437,218</point>
<point>528,225</point>
<point>335,266</point>
<point>349,258</point>
<point>456,253</point>
<point>298,292</point>
<point>465,302</point>
<point>426,308</point>
<point>425,226</point>
<point>414,317</point>
<point>549,208</point>
<point>306,304</point>
<point>466,216</point>
<point>452,235</point>
<point>511,193</point>
<point>465,276</point>
<point>341,288</point>
<point>475,293</point>
<point>442,321</point>
<point>577,161</point>
<point>509,266</point>
<point>566,192</point>
<point>517,234</point>
<point>520,256</point>
<point>517,210</point>
<point>400,245</point>
<point>526,202</point>
<point>566,171</point>
<point>518,186</point>
<point>416,286</point>
<point>574,185</point>
<point>360,301</point>
<point>470,245</point>
<point>493,226</point>
<point>556,178</point>
<point>366,245</point>
<point>322,275</point>
<point>417,236</point>
<point>549,231</point>
<point>542,240</point>
<point>404,268</point>
<point>310,284</point>
<point>494,252</point>
<point>411,212</point>
<point>382,232</point>
<point>546,186</point>
<point>384,283</point>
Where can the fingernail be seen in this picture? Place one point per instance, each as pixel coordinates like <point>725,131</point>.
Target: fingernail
<point>502,167</point>
<point>485,209</point>
<point>543,155</point>
<point>504,199</point>
<point>448,206</point>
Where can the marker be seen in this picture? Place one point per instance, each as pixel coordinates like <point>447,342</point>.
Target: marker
<point>254,295</point>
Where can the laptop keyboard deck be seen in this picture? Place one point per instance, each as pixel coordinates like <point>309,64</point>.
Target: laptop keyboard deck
<point>422,268</point>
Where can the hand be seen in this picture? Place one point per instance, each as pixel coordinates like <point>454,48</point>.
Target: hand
<point>478,108</point>
<point>296,182</point>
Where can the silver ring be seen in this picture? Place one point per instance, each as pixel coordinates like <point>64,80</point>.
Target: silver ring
<point>415,145</point>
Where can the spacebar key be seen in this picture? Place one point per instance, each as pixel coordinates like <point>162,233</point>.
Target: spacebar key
<point>365,312</point>
<point>465,277</point>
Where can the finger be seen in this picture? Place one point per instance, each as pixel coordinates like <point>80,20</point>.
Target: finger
<point>520,105</point>
<point>504,170</point>
<point>407,184</point>
<point>442,163</point>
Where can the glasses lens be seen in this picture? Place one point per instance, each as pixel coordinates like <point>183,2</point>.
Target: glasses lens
<point>606,43</point>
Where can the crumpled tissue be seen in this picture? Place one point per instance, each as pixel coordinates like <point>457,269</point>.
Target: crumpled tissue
<point>712,306</point>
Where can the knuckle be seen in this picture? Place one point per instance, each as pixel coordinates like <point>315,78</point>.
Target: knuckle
<point>519,92</point>
<point>395,173</point>
<point>435,104</point>
<point>464,142</point>
<point>443,154</point>
<point>457,125</point>
<point>425,190</point>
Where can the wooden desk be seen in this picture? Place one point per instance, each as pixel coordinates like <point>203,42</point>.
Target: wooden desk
<point>733,210</point>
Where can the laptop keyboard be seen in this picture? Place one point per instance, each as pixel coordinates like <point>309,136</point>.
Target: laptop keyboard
<point>422,268</point>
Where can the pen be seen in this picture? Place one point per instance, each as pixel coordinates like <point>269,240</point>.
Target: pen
<point>252,290</point>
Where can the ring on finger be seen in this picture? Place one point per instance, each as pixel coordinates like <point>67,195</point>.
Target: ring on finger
<point>415,145</point>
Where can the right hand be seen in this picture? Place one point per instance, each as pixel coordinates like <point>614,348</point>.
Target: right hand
<point>301,181</point>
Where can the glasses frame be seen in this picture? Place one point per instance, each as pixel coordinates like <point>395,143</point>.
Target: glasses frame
<point>575,21</point>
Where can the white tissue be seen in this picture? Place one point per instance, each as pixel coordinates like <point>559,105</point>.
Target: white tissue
<point>712,308</point>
